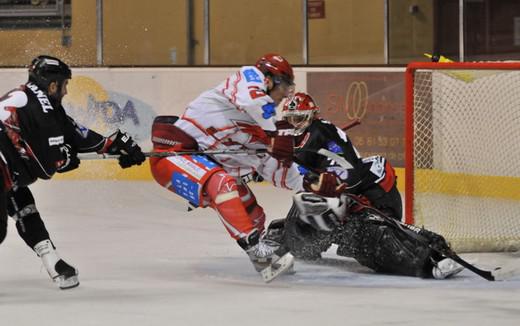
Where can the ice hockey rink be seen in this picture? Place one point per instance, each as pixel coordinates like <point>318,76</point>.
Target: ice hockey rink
<point>144,260</point>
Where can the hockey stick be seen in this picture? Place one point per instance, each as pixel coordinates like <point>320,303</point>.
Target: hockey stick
<point>488,275</point>
<point>333,156</point>
<point>96,156</point>
<point>351,125</point>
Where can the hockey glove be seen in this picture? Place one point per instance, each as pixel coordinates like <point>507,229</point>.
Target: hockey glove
<point>322,213</point>
<point>129,152</point>
<point>326,184</point>
<point>282,143</point>
<point>70,159</point>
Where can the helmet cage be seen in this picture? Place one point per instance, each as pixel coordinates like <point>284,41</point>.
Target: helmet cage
<point>299,111</point>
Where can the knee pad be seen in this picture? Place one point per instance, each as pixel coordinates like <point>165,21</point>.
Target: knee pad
<point>30,226</point>
<point>222,187</point>
<point>20,203</point>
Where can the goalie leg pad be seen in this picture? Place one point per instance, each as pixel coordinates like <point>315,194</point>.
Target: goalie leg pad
<point>383,249</point>
<point>303,240</point>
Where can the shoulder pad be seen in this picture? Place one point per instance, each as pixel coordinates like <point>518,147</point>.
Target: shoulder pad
<point>15,98</point>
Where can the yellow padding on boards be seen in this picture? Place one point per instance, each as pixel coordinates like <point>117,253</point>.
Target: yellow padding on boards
<point>106,170</point>
<point>467,184</point>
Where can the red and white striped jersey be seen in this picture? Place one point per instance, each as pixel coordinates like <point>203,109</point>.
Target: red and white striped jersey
<point>237,114</point>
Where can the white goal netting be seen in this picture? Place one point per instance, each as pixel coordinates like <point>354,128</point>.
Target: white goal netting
<point>466,148</point>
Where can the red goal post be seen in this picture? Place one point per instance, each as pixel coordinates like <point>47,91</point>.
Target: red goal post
<point>462,149</point>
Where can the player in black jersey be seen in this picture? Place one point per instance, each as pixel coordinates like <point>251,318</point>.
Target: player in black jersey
<point>372,177</point>
<point>358,208</point>
<point>38,139</point>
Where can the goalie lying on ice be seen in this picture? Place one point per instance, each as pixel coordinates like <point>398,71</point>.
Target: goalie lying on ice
<point>367,235</point>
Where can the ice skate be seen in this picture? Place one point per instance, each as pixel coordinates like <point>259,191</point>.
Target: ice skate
<point>268,258</point>
<point>446,268</point>
<point>63,274</point>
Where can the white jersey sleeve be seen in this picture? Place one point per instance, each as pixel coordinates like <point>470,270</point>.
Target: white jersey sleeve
<point>247,90</point>
<point>280,176</point>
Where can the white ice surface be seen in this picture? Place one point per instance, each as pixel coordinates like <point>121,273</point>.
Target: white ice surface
<point>144,260</point>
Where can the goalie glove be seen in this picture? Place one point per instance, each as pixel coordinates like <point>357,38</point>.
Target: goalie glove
<point>70,159</point>
<point>326,184</point>
<point>282,143</point>
<point>322,213</point>
<point>129,152</point>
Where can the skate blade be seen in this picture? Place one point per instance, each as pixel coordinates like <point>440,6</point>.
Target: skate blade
<point>68,283</point>
<point>277,268</point>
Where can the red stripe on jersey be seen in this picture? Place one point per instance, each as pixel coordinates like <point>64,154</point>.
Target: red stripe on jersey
<point>194,123</point>
<point>388,182</point>
<point>235,88</point>
<point>226,87</point>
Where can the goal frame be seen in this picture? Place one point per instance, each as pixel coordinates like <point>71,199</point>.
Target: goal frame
<point>409,114</point>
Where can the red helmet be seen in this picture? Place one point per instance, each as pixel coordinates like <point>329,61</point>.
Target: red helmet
<point>276,66</point>
<point>299,111</point>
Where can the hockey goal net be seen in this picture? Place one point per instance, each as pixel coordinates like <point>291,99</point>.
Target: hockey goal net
<point>463,153</point>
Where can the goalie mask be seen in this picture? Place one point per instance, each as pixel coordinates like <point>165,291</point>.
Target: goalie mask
<point>299,111</point>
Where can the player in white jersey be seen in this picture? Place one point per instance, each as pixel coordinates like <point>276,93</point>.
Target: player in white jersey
<point>237,114</point>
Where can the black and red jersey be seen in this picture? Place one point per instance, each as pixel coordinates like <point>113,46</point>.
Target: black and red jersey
<point>34,128</point>
<point>366,172</point>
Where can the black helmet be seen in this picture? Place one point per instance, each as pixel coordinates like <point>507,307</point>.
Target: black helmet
<point>45,69</point>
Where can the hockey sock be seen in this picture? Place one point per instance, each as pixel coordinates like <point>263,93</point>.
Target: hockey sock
<point>255,211</point>
<point>32,229</point>
<point>223,192</point>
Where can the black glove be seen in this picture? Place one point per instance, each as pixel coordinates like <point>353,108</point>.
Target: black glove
<point>129,152</point>
<point>70,159</point>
